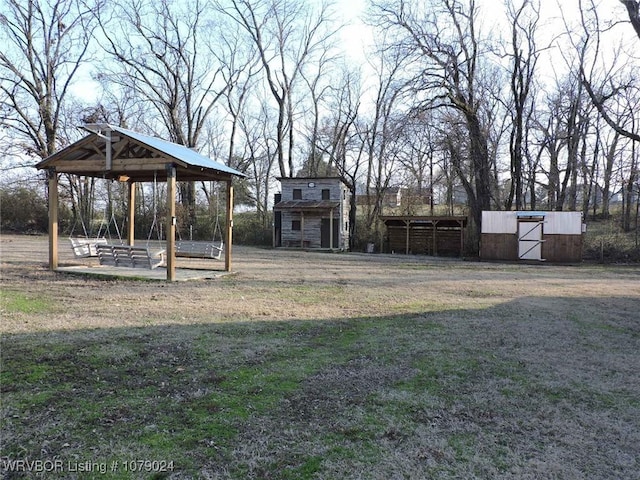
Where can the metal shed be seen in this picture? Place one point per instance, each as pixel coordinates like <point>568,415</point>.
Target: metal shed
<point>532,235</point>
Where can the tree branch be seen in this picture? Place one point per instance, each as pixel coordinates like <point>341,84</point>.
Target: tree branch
<point>597,101</point>
<point>633,9</point>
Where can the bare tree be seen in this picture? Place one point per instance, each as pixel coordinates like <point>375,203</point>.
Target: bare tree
<point>612,87</point>
<point>552,143</point>
<point>161,53</point>
<point>633,10</point>
<point>605,92</point>
<point>340,140</point>
<point>564,135</point>
<point>260,156</point>
<point>47,42</point>
<point>383,132</point>
<point>524,55</point>
<point>630,170</point>
<point>611,146</point>
<point>418,159</point>
<point>318,89</point>
<point>442,38</point>
<point>242,80</point>
<point>287,36</point>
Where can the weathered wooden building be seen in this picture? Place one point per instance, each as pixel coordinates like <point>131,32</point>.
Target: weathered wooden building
<point>312,213</point>
<point>427,235</point>
<point>533,236</point>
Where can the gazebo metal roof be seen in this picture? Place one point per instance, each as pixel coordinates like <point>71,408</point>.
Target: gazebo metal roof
<point>117,153</point>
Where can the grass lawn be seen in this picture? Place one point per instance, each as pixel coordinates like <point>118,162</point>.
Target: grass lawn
<point>322,366</point>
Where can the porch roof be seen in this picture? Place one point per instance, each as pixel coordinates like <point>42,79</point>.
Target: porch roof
<point>306,205</point>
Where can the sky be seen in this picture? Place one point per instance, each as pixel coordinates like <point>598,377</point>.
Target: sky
<point>357,37</point>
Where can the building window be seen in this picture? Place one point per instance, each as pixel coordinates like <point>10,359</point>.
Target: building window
<point>326,194</point>
<point>296,225</point>
<point>297,194</point>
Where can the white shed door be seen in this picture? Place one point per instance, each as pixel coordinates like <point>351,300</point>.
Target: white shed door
<point>530,240</point>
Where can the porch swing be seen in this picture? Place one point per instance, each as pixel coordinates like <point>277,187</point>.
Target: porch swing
<point>201,249</point>
<point>131,256</point>
<point>85,247</point>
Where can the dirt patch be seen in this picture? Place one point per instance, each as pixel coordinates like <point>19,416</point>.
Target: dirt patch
<point>286,285</point>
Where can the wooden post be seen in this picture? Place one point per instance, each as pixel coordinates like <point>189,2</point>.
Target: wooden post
<point>331,229</point>
<point>131,231</point>
<point>435,238</point>
<point>407,224</point>
<point>171,223</point>
<point>301,229</point>
<point>273,230</point>
<point>108,150</point>
<point>229,227</point>
<point>53,219</point>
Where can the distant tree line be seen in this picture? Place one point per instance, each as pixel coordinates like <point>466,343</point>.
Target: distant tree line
<point>438,103</point>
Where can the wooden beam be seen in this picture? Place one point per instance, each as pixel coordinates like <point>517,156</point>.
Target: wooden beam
<point>53,219</point>
<point>70,166</point>
<point>119,165</point>
<point>302,229</point>
<point>108,156</point>
<point>229,228</point>
<point>131,231</point>
<point>145,164</point>
<point>51,161</point>
<point>331,229</point>
<point>407,240</point>
<point>99,152</point>
<point>435,238</point>
<point>118,147</point>
<point>171,222</point>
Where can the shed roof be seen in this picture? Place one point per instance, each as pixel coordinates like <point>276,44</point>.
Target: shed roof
<point>114,152</point>
<point>441,221</point>
<point>305,178</point>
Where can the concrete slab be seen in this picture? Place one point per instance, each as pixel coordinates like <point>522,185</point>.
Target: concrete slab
<point>157,274</point>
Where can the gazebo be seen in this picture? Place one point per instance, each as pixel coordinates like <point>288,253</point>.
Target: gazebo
<point>116,153</point>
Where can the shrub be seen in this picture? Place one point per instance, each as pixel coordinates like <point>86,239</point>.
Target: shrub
<point>24,210</point>
<point>249,229</point>
<point>606,242</point>
<point>363,236</point>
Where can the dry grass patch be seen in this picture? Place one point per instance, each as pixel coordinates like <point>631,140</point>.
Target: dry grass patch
<point>327,366</point>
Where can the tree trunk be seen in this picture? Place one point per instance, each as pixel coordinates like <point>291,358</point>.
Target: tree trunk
<point>481,169</point>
